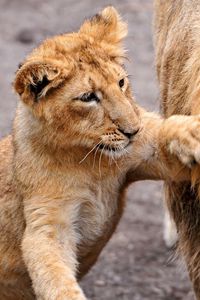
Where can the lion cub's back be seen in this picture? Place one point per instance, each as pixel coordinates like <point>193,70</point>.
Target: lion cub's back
<point>6,155</point>
<point>6,151</point>
<point>11,216</point>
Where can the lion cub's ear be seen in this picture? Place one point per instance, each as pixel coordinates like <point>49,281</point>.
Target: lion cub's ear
<point>36,79</point>
<point>108,28</point>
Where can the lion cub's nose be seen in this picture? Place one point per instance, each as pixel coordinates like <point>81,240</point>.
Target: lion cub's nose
<point>129,134</point>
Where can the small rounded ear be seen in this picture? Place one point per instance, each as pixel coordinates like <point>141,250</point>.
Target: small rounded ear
<point>108,28</point>
<point>34,79</point>
<point>117,29</point>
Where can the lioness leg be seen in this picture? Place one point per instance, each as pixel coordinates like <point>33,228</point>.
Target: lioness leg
<point>185,209</point>
<point>9,292</point>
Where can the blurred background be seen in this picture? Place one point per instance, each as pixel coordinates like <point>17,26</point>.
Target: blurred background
<point>135,265</point>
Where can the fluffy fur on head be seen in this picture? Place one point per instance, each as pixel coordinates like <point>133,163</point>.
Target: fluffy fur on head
<point>105,30</point>
<point>109,30</point>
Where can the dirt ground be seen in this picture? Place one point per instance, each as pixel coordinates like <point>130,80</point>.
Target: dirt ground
<point>135,265</point>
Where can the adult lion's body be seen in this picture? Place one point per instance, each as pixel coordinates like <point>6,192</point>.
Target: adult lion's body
<point>177,26</point>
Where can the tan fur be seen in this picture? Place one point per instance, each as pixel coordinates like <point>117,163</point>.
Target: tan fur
<point>61,195</point>
<point>178,64</point>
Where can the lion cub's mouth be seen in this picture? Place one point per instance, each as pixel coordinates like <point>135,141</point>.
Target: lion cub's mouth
<point>111,149</point>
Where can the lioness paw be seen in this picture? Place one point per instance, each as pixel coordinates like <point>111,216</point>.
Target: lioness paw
<point>183,138</point>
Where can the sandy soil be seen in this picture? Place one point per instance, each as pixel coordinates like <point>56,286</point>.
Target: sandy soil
<point>135,265</point>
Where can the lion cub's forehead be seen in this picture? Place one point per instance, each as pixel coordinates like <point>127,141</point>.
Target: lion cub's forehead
<point>95,60</point>
<point>83,54</point>
<point>102,70</point>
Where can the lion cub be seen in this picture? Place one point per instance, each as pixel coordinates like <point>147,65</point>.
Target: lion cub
<point>78,140</point>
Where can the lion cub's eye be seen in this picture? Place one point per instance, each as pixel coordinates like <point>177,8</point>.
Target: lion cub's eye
<point>88,97</point>
<point>121,83</point>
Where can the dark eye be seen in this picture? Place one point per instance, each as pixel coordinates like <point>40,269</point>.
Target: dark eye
<point>121,83</point>
<point>88,97</point>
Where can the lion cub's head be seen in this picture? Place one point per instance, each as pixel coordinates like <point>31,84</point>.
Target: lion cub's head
<point>76,87</point>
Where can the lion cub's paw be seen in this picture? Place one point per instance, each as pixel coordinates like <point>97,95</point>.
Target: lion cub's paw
<point>68,296</point>
<point>183,138</point>
<point>70,293</point>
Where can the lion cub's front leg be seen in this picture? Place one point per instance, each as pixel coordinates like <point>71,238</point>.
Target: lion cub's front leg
<point>49,248</point>
<point>181,137</point>
<point>165,149</point>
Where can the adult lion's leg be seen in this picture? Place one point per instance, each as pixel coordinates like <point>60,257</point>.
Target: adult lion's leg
<point>20,288</point>
<point>9,292</point>
<point>184,207</point>
<point>190,237</point>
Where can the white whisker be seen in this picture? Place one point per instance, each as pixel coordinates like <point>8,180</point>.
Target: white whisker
<point>100,160</point>
<point>115,160</point>
<point>110,159</point>
<point>89,153</point>
<point>96,153</point>
<point>128,152</point>
<point>111,156</point>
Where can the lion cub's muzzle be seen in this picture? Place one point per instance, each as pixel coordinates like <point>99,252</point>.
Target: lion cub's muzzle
<point>129,133</point>
<point>116,141</point>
